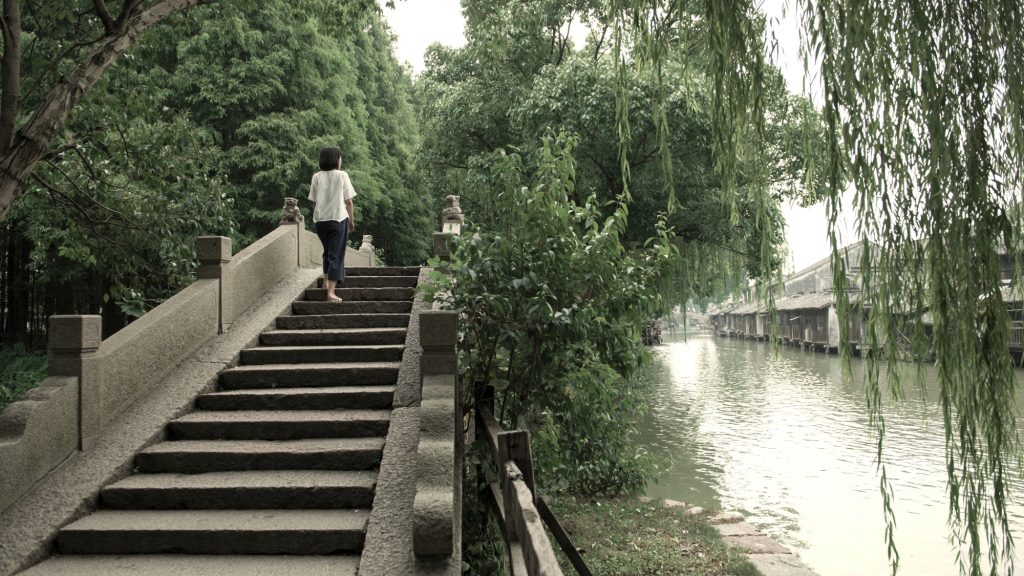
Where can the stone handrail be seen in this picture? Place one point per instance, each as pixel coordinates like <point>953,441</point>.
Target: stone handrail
<point>418,500</point>
<point>91,381</point>
<point>438,455</point>
<point>437,510</point>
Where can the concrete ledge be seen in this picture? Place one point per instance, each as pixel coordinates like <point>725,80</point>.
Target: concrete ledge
<point>407,389</point>
<point>145,351</point>
<point>261,265</point>
<point>404,512</point>
<point>36,435</point>
<point>70,491</point>
<point>769,556</point>
<point>388,550</point>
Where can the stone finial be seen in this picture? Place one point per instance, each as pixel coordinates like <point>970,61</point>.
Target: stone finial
<point>73,336</point>
<point>452,213</point>
<point>213,252</point>
<point>367,245</point>
<point>291,213</point>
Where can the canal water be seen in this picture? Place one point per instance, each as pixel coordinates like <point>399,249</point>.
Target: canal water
<point>785,440</point>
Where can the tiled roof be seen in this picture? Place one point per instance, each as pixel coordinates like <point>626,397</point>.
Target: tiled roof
<point>748,308</point>
<point>812,300</point>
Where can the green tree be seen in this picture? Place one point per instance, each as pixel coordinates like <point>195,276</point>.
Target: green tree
<point>517,78</point>
<point>85,38</point>
<point>553,305</point>
<point>203,127</point>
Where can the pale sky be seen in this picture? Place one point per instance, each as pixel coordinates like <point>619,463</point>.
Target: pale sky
<point>419,23</point>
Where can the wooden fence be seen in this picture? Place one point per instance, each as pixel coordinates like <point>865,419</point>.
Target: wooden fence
<point>522,514</point>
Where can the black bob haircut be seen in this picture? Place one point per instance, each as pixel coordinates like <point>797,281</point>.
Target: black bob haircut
<point>330,158</point>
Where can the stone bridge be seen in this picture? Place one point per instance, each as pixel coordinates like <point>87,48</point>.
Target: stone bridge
<point>244,427</point>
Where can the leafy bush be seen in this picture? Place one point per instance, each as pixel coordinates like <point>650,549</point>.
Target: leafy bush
<point>553,306</point>
<point>20,371</point>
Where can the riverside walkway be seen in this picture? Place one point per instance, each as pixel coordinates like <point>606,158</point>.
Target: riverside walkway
<point>305,437</point>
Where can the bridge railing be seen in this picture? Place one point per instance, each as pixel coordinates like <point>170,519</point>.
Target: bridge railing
<point>91,381</point>
<point>521,513</point>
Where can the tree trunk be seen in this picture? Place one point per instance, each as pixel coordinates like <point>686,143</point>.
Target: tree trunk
<point>33,140</point>
<point>11,70</point>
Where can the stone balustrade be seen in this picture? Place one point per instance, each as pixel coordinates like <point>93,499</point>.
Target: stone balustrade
<point>91,381</point>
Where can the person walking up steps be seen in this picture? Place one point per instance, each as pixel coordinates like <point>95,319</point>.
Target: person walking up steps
<point>334,216</point>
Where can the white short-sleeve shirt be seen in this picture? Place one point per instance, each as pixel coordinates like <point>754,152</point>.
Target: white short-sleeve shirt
<point>329,189</point>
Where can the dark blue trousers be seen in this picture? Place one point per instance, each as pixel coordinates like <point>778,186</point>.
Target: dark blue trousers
<point>334,236</point>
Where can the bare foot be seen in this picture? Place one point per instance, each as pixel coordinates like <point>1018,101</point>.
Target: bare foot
<point>333,299</point>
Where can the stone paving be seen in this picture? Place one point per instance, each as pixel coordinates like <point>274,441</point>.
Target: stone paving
<point>767,554</point>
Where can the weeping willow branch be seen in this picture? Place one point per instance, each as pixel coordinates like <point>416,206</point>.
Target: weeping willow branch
<point>926,98</point>
<point>924,118</point>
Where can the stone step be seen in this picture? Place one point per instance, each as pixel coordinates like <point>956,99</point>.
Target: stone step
<point>380,281</point>
<point>343,321</point>
<point>279,424</point>
<point>383,271</point>
<point>321,308</point>
<point>215,532</point>
<point>324,398</point>
<point>322,354</point>
<point>361,294</point>
<point>273,489</point>
<point>334,337</point>
<point>309,375</point>
<point>198,456</point>
<point>195,565</point>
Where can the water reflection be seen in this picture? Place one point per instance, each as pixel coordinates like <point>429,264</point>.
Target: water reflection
<point>785,439</point>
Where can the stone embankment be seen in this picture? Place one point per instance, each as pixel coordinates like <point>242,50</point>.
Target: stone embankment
<point>765,553</point>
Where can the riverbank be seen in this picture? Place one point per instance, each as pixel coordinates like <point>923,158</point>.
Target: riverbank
<point>623,536</point>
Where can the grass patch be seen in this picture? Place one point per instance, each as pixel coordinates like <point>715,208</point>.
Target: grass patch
<point>20,371</point>
<point>621,536</point>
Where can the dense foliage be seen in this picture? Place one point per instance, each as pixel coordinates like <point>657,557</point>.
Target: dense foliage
<point>203,128</point>
<point>553,305</point>
<point>519,76</point>
<point>20,370</point>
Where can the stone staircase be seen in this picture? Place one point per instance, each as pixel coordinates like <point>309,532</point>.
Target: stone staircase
<point>274,472</point>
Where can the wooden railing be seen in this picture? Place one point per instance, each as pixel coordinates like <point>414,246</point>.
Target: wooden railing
<point>522,514</point>
<point>1016,334</point>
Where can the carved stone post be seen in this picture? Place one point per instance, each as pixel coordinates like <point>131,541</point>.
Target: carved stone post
<point>437,506</point>
<point>367,249</point>
<point>73,342</point>
<point>438,337</point>
<point>451,225</point>
<point>214,253</point>
<point>292,216</point>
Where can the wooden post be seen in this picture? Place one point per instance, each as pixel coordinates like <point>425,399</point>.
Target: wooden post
<point>515,446</point>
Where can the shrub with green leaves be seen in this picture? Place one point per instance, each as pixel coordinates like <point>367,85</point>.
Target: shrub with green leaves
<point>20,371</point>
<point>553,307</point>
